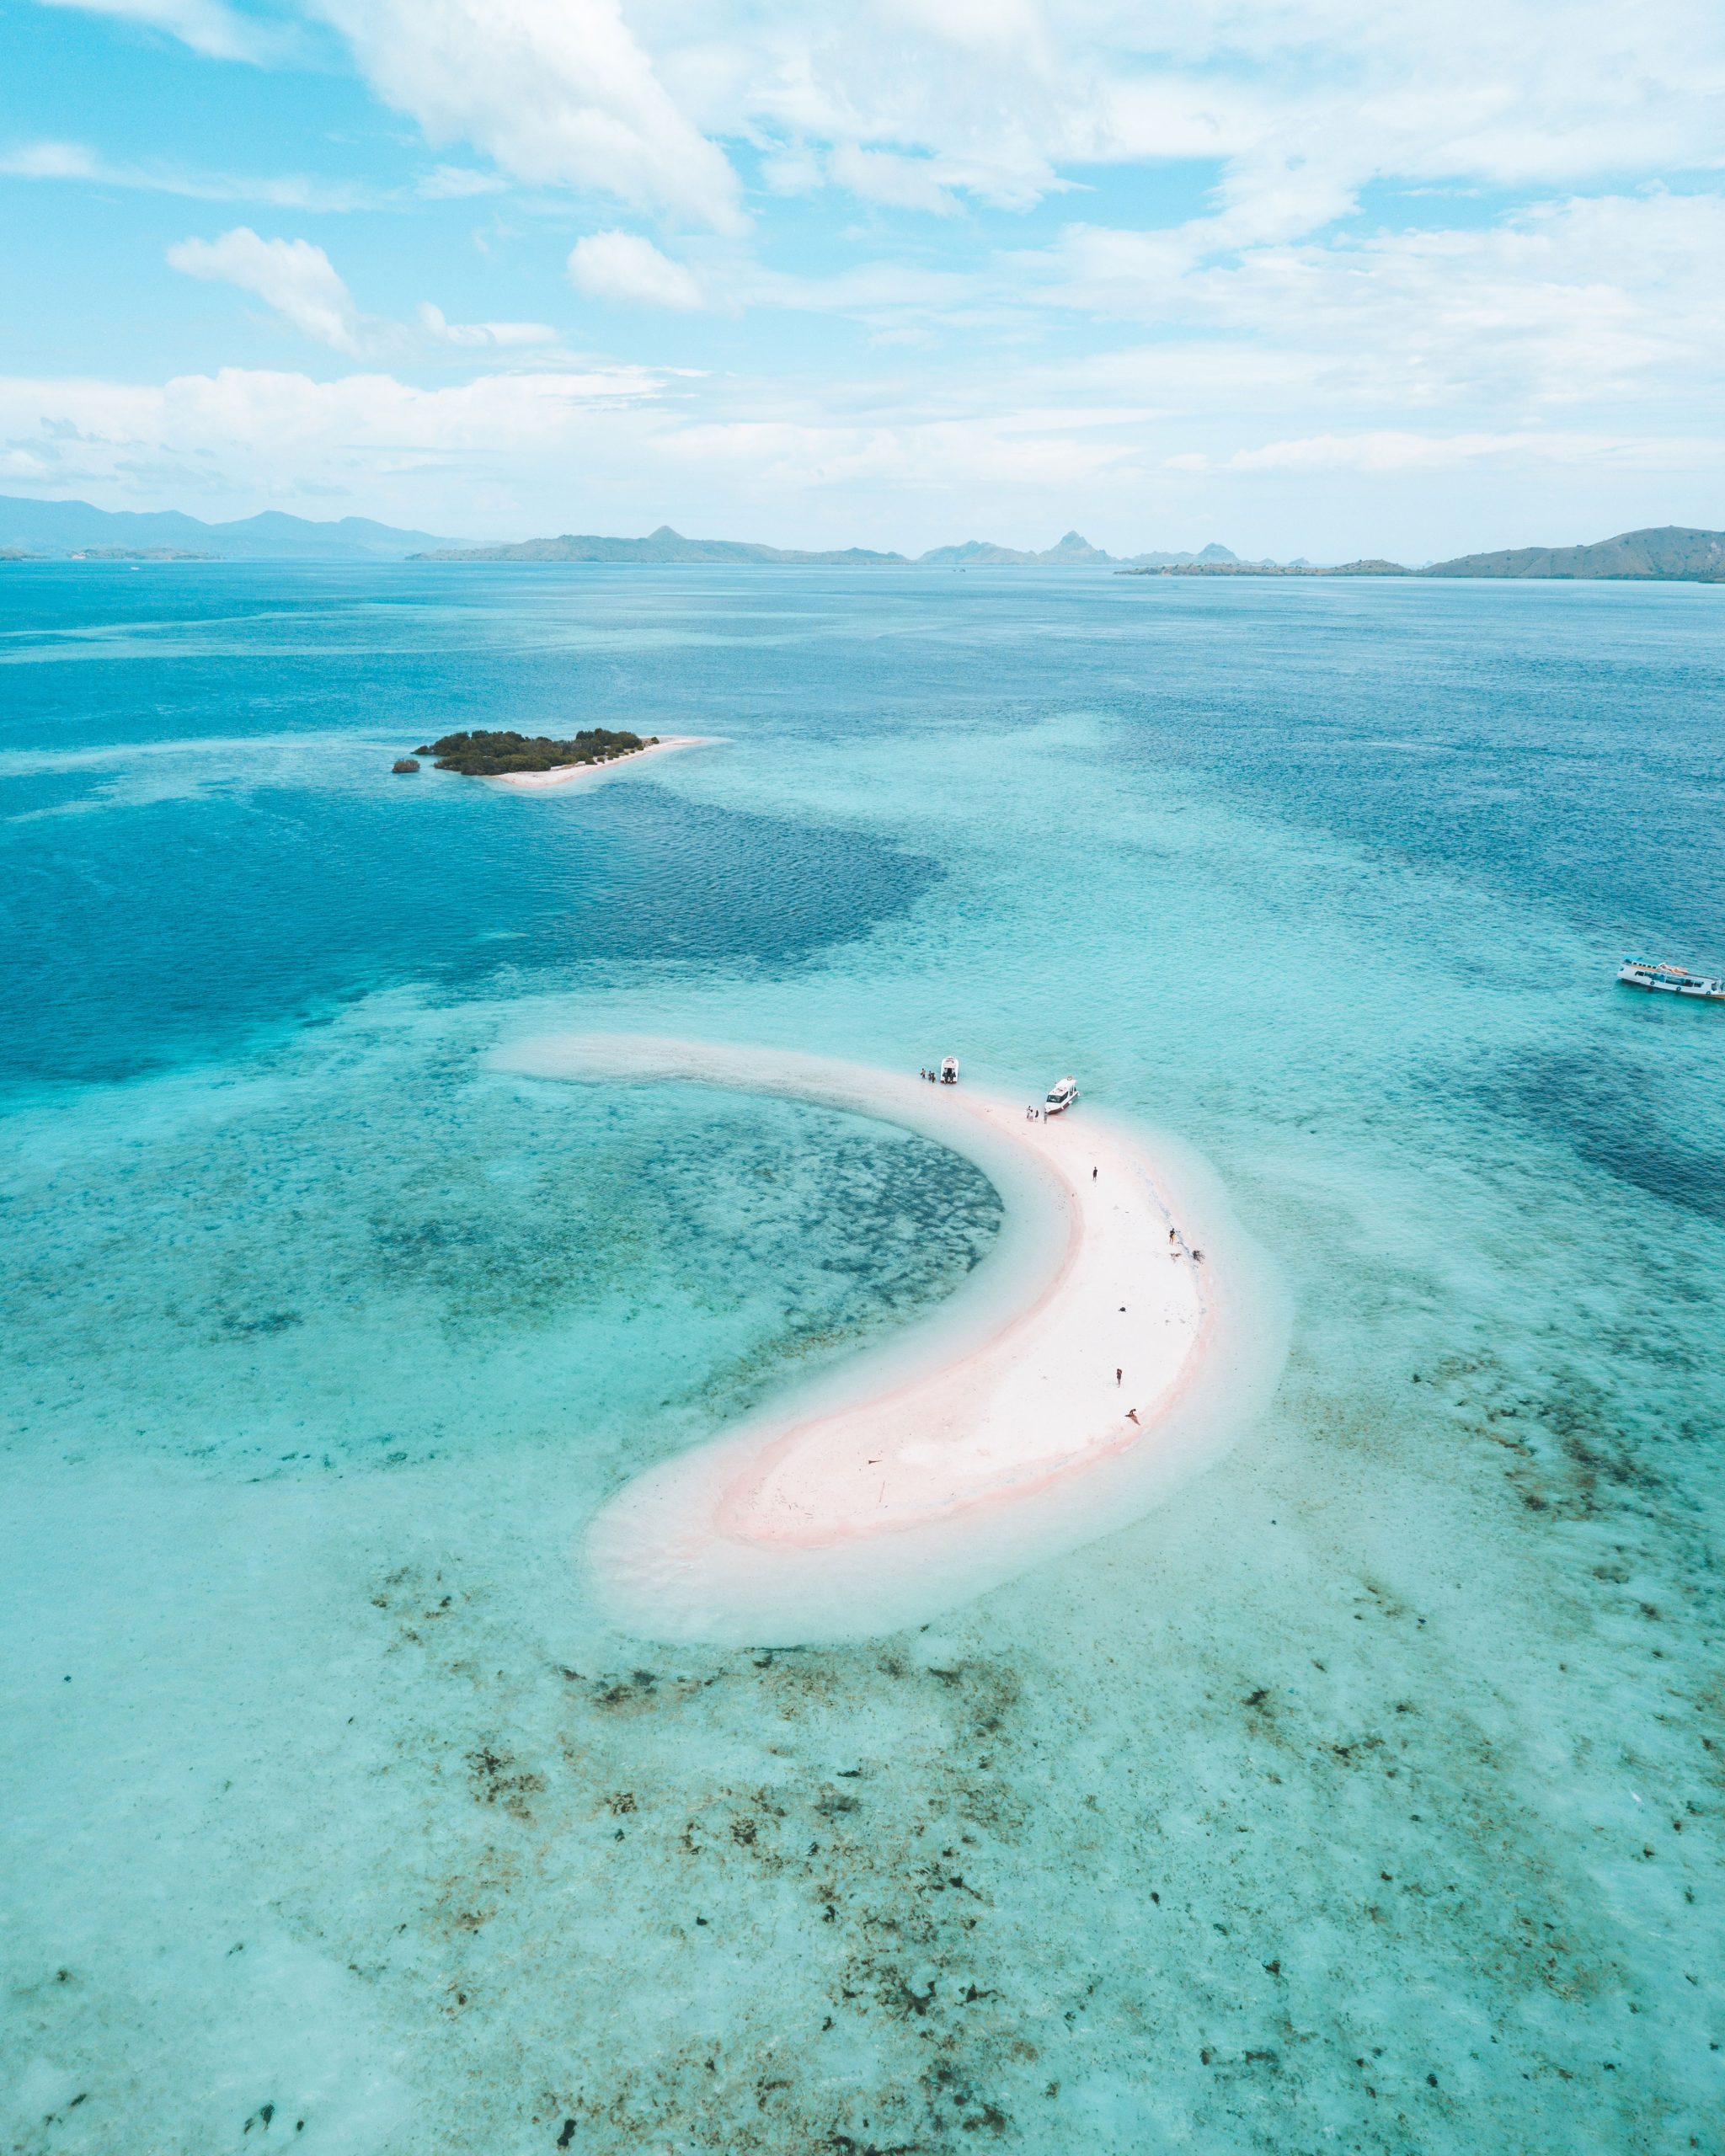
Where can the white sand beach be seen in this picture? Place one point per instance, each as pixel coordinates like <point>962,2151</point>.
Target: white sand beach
<point>1040,1398</point>
<point>565,775</point>
<point>1092,1360</point>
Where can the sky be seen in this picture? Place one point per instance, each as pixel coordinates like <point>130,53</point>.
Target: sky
<point>1327,277</point>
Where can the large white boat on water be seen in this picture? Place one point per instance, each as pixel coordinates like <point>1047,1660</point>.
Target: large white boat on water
<point>1061,1096</point>
<point>1672,980</point>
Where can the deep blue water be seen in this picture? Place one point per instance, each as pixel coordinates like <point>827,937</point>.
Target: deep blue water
<point>1568,741</point>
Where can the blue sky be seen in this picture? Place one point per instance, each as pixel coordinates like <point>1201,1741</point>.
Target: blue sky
<point>1320,277</point>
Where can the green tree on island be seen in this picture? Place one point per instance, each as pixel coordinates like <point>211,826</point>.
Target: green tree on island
<point>489,755</point>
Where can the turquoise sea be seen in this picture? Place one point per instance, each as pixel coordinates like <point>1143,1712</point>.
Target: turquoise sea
<point>1366,1796</point>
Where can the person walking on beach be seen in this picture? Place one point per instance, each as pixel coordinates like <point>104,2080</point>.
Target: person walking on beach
<point>1118,1374</point>
<point>1092,1175</point>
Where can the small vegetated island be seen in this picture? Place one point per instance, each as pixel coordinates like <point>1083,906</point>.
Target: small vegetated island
<point>495,755</point>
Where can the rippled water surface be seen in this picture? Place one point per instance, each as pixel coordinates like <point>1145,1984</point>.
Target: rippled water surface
<point>1367,1796</point>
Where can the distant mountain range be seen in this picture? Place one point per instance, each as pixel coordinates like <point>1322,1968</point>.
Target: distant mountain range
<point>1231,568</point>
<point>1073,549</point>
<point>29,529</point>
<point>1667,553</point>
<point>74,528</point>
<point>666,544</point>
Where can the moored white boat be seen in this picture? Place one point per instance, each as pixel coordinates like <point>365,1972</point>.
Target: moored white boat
<point>1671,980</point>
<point>1060,1097</point>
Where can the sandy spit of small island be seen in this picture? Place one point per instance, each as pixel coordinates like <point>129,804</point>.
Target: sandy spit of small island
<point>563,775</point>
<point>1092,1361</point>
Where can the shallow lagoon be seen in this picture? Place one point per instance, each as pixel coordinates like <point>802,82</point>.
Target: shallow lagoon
<point>1365,1796</point>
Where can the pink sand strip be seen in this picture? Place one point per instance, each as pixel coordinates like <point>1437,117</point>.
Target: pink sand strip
<point>994,1434</point>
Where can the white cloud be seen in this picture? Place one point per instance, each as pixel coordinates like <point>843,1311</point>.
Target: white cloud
<point>429,457</point>
<point>492,335</point>
<point>52,160</point>
<point>900,181</point>
<point>1514,278</point>
<point>1301,102</point>
<point>623,267</point>
<point>205,26</point>
<point>930,456</point>
<point>557,92</point>
<point>1390,453</point>
<point>303,285</point>
<point>1567,304</point>
<point>620,449</point>
<point>79,162</point>
<point>457,183</point>
<point>297,279</point>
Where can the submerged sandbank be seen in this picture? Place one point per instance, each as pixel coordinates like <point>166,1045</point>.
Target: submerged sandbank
<point>994,1433</point>
<point>562,775</point>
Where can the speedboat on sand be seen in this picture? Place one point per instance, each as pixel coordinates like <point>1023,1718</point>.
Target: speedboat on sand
<point>1672,980</point>
<point>1061,1096</point>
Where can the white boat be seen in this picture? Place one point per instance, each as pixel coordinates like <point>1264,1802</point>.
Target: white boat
<point>949,1070</point>
<point>1671,980</point>
<point>1060,1097</point>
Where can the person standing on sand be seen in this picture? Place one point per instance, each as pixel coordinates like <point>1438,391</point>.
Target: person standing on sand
<point>1118,1374</point>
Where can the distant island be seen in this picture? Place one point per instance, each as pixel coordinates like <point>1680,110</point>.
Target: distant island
<point>139,554</point>
<point>32,530</point>
<point>666,544</point>
<point>1074,551</point>
<point>78,531</point>
<point>1669,553</point>
<point>495,755</point>
<point>1663,553</point>
<point>1271,569</point>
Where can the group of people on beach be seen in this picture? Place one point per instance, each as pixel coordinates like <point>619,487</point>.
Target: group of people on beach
<point>1176,1244</point>
<point>1176,1247</point>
